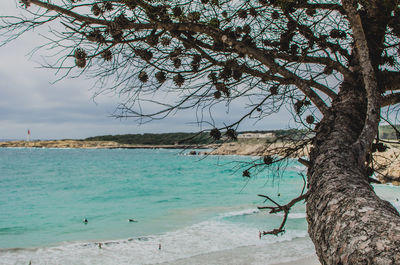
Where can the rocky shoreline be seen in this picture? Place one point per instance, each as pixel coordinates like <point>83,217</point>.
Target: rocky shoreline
<point>93,145</point>
<point>237,148</point>
<point>387,163</point>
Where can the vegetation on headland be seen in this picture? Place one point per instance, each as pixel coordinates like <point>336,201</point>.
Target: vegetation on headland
<point>191,138</point>
<point>151,139</point>
<point>183,138</point>
<point>157,138</point>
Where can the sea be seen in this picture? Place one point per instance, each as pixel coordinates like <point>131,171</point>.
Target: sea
<point>148,206</point>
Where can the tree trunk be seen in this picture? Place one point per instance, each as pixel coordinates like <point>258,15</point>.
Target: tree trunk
<point>348,222</point>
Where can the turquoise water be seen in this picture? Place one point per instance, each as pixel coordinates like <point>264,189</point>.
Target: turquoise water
<point>177,200</point>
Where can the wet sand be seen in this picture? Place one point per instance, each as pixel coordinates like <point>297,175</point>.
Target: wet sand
<point>249,255</point>
<point>313,260</point>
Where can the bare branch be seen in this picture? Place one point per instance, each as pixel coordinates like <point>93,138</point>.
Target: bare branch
<point>281,208</point>
<point>390,99</point>
<point>371,85</point>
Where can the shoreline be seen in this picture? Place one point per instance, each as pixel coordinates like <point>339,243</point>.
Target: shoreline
<point>386,163</point>
<point>147,252</point>
<point>248,255</point>
<point>82,144</point>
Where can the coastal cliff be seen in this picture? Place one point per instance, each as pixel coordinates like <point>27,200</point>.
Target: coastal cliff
<point>259,149</point>
<point>387,163</point>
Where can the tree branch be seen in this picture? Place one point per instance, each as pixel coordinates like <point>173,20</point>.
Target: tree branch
<point>389,80</point>
<point>370,129</point>
<point>64,11</point>
<point>87,19</point>
<point>280,208</point>
<point>390,99</point>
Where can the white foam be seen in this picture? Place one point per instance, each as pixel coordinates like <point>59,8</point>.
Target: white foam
<point>240,213</point>
<point>396,204</point>
<point>199,239</point>
<point>297,167</point>
<point>294,215</point>
<point>297,215</point>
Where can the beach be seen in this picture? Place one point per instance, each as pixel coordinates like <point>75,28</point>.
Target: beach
<point>242,256</point>
<point>128,252</point>
<point>313,260</point>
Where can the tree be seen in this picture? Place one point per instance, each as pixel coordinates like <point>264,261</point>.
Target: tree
<point>335,63</point>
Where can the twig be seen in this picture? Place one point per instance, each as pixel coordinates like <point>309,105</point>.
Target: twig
<point>304,162</point>
<point>279,208</point>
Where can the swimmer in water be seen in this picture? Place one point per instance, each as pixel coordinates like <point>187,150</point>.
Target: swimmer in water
<point>85,221</point>
<point>132,220</point>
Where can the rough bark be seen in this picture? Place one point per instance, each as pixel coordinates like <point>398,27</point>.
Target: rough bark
<point>348,222</point>
<point>366,54</point>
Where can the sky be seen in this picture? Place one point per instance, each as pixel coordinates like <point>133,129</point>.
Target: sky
<point>29,99</point>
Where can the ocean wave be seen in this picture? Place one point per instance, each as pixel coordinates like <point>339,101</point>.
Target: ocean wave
<point>294,215</point>
<point>296,168</point>
<point>396,204</point>
<point>199,239</point>
<point>239,213</point>
<point>297,215</point>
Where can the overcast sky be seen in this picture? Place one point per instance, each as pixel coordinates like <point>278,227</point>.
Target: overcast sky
<point>66,109</point>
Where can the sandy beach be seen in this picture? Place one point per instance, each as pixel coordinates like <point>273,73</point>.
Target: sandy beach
<point>313,260</point>
<point>249,255</point>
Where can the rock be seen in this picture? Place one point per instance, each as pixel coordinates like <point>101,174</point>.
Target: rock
<point>387,165</point>
<point>257,149</point>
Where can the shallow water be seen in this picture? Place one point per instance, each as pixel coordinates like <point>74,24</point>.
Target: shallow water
<point>191,205</point>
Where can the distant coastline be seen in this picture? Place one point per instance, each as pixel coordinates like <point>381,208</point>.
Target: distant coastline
<point>84,144</point>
